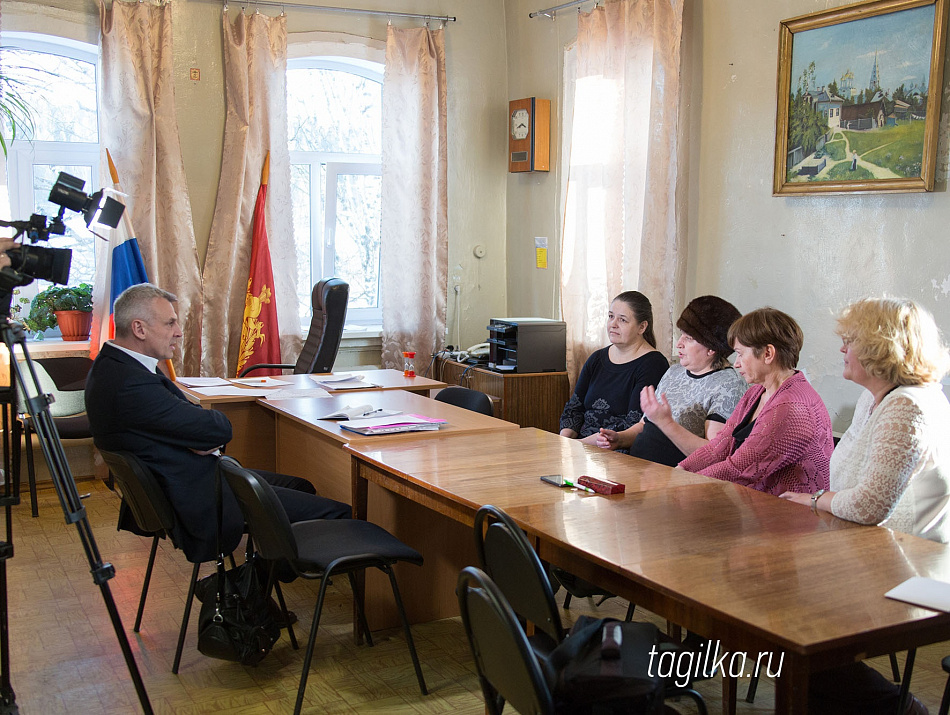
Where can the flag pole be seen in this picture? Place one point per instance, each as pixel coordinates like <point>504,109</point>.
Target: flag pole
<point>113,172</point>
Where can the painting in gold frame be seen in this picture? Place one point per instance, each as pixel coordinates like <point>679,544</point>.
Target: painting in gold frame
<point>859,91</point>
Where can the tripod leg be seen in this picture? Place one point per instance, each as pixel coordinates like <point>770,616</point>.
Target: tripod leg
<point>30,467</point>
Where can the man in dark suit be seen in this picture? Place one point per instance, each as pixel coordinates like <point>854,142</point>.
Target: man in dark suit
<point>133,407</point>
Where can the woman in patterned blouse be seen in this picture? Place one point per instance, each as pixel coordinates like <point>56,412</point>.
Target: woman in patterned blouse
<point>695,397</point>
<point>892,466</point>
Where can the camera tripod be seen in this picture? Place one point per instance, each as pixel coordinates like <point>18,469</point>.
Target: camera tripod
<point>37,405</point>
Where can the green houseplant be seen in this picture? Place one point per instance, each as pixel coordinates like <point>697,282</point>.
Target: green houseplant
<point>64,306</point>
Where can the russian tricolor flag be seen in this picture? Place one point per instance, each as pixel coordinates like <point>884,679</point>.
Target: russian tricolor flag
<point>118,266</point>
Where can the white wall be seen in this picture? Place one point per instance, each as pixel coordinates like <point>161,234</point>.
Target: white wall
<point>477,97</point>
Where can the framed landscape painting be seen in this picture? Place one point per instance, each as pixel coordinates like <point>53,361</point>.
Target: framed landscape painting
<point>859,91</point>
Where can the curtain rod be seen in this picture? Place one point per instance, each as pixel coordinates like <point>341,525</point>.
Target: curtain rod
<point>350,10</point>
<point>552,11</point>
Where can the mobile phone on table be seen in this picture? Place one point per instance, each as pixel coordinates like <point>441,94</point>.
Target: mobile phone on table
<point>555,479</point>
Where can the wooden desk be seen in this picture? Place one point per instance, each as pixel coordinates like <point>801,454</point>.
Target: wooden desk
<point>529,399</point>
<point>312,448</point>
<point>253,442</point>
<point>756,572</point>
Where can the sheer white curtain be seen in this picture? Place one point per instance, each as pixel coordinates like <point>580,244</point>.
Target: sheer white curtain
<point>414,231</point>
<point>138,125</point>
<point>621,131</point>
<point>255,76</point>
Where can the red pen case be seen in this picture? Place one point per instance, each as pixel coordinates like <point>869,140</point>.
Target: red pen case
<point>602,486</point>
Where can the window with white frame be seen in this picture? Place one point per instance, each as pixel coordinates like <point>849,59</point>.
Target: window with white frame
<point>334,111</point>
<point>57,78</point>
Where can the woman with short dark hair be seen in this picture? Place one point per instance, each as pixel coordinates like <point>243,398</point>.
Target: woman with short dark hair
<point>778,438</point>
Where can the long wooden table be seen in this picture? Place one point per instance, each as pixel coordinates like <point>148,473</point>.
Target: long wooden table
<point>313,448</point>
<point>755,572</point>
<point>254,441</point>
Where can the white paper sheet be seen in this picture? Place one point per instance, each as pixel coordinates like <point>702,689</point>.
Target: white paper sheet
<point>202,381</point>
<point>299,392</point>
<point>261,381</point>
<point>921,591</point>
<point>233,391</point>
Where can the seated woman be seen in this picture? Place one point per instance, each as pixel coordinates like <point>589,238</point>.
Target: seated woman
<point>892,466</point>
<point>778,438</point>
<point>695,397</point>
<point>608,389</point>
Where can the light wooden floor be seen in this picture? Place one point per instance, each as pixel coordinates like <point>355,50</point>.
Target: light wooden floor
<point>65,657</point>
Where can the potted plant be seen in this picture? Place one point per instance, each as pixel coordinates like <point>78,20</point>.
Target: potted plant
<point>70,307</point>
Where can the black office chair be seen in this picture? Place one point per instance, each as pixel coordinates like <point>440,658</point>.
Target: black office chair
<point>468,399</point>
<point>154,514</point>
<point>510,670</point>
<point>328,299</point>
<point>65,379</point>
<point>505,553</point>
<point>320,549</point>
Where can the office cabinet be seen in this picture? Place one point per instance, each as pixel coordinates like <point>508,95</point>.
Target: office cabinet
<point>528,399</point>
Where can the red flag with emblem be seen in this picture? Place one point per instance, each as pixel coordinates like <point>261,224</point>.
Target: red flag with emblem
<point>260,336</point>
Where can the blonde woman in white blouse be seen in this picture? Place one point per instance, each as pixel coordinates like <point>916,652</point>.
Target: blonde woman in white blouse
<point>892,466</point>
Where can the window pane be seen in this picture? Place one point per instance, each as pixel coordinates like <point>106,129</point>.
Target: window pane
<point>357,237</point>
<point>300,202</point>
<point>61,92</point>
<point>333,111</point>
<point>77,237</point>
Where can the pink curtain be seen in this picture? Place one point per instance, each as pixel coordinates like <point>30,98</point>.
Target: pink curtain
<point>139,127</point>
<point>255,77</point>
<point>414,231</point>
<point>622,145</point>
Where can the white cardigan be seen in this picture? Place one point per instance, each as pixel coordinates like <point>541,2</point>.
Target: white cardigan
<point>892,466</point>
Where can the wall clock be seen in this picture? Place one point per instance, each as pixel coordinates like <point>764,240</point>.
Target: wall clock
<point>529,134</point>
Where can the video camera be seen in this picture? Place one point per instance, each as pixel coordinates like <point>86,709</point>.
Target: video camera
<point>28,262</point>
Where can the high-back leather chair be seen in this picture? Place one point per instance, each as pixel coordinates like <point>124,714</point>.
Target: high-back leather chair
<point>329,299</point>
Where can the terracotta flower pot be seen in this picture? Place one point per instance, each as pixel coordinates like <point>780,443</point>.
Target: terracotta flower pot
<point>74,324</point>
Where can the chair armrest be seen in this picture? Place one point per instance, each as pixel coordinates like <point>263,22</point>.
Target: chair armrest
<point>263,365</point>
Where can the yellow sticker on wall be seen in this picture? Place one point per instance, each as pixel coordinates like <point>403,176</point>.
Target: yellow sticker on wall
<point>541,251</point>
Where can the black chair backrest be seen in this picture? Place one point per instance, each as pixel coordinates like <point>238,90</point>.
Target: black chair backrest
<point>505,554</point>
<point>328,299</point>
<point>264,515</point>
<point>141,491</point>
<point>68,373</point>
<point>503,657</point>
<point>469,399</point>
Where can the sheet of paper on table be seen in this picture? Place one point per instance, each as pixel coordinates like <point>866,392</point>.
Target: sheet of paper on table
<point>260,381</point>
<point>342,381</point>
<point>203,381</point>
<point>921,591</point>
<point>292,394</point>
<point>233,391</point>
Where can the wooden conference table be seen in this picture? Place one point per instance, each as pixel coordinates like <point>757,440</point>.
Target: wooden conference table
<point>312,448</point>
<point>758,573</point>
<point>253,443</point>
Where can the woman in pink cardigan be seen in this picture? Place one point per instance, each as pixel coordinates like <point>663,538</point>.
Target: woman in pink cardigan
<point>778,438</point>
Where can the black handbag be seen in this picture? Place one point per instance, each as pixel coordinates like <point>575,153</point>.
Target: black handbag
<point>588,678</point>
<point>236,622</point>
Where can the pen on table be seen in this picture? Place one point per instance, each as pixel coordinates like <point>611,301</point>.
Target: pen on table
<point>579,486</point>
<point>371,412</point>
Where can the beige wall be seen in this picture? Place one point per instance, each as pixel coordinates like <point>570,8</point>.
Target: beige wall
<point>477,81</point>
<point>806,256</point>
